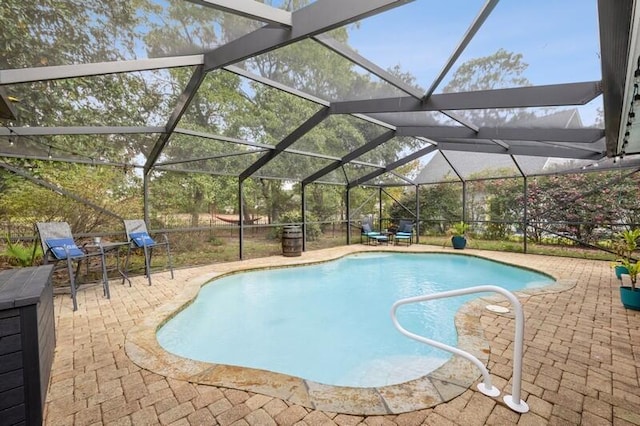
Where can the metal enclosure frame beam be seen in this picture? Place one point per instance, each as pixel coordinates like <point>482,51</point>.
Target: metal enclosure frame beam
<point>351,156</point>
<point>401,162</point>
<point>78,130</point>
<point>305,127</point>
<point>614,19</point>
<point>347,197</point>
<point>303,210</point>
<point>417,187</point>
<point>57,72</point>
<point>586,135</point>
<point>209,157</point>
<point>518,97</point>
<point>468,36</point>
<point>260,146</point>
<point>314,19</point>
<point>542,150</point>
<point>353,56</point>
<point>525,213</point>
<point>241,219</point>
<point>249,9</point>
<point>454,168</point>
<point>181,107</point>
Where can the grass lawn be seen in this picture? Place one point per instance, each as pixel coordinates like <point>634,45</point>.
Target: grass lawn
<point>518,247</point>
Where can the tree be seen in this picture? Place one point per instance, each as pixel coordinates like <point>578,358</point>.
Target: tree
<point>503,204</point>
<point>579,204</point>
<point>440,204</point>
<point>325,201</point>
<point>501,70</point>
<point>102,186</point>
<point>216,109</point>
<point>69,32</point>
<point>66,32</point>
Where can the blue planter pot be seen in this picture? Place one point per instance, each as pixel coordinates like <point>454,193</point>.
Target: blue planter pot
<point>630,298</point>
<point>620,270</point>
<point>459,242</point>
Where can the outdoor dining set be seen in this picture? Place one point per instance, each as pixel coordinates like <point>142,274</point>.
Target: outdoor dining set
<point>402,234</point>
<point>58,245</point>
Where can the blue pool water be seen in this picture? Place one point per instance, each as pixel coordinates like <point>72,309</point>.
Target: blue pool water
<point>330,323</point>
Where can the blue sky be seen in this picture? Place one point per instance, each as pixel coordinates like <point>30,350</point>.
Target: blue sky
<point>559,39</point>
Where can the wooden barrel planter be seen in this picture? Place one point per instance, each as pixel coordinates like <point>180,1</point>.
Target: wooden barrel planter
<point>292,241</point>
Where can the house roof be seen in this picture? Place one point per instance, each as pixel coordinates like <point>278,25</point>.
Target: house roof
<point>456,165</point>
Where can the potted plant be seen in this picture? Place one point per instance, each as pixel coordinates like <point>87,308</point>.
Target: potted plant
<point>458,238</point>
<point>619,247</point>
<point>625,247</point>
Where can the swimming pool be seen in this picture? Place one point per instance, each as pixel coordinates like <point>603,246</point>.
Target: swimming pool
<point>329,322</point>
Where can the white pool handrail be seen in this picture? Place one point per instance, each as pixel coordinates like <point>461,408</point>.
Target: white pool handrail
<point>513,401</point>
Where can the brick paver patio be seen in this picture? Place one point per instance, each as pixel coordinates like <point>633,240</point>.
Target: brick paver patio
<point>581,363</point>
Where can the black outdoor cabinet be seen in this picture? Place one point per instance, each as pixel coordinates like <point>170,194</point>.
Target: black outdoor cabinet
<point>27,342</point>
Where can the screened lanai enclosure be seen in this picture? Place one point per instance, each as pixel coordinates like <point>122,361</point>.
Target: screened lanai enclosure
<point>220,121</point>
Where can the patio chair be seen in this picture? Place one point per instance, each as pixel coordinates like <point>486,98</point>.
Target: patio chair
<point>404,232</point>
<point>405,236</point>
<point>405,225</point>
<point>139,239</point>
<point>58,245</point>
<point>370,235</point>
<point>366,232</point>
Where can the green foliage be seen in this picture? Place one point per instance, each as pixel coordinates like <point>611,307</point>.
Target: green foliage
<point>625,247</point>
<point>632,268</point>
<point>502,69</point>
<point>630,239</point>
<point>213,240</point>
<point>500,202</point>
<point>105,187</point>
<point>459,229</point>
<point>439,204</point>
<point>578,203</point>
<point>314,230</point>
<point>325,202</point>
<point>65,32</point>
<point>22,254</point>
<point>225,104</point>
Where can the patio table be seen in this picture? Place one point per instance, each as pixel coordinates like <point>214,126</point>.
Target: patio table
<point>112,249</point>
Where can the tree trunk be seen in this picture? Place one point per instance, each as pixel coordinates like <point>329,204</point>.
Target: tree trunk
<point>198,198</point>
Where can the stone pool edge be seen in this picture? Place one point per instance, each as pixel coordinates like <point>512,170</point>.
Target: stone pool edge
<point>441,385</point>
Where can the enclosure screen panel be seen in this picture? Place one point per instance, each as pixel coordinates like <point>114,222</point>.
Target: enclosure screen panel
<point>111,30</point>
<point>314,69</point>
<point>338,135</point>
<point>534,45</point>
